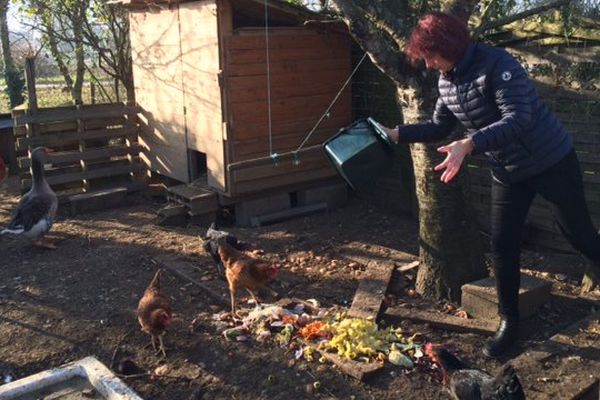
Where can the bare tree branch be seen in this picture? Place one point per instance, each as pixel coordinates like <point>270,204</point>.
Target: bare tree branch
<point>519,16</point>
<point>461,8</point>
<point>386,58</point>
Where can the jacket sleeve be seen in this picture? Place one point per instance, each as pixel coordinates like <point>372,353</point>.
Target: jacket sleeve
<point>511,89</point>
<point>441,125</point>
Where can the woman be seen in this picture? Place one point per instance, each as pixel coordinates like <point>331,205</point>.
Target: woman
<point>488,91</point>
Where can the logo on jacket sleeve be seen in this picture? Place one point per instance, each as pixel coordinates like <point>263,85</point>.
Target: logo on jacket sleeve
<point>506,76</point>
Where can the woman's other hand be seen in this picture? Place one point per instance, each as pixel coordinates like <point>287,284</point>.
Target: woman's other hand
<point>455,154</point>
<point>392,134</point>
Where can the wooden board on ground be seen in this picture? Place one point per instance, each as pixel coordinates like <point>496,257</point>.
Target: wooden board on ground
<point>444,321</point>
<point>373,286</point>
<point>356,369</point>
<point>382,254</point>
<point>566,366</point>
<point>217,289</point>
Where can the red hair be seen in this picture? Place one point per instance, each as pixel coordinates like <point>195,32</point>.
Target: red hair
<point>439,34</point>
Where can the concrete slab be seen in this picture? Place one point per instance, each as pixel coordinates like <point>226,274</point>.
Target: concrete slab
<point>480,299</point>
<point>86,378</point>
<point>335,195</point>
<point>96,201</point>
<point>245,210</point>
<point>282,215</point>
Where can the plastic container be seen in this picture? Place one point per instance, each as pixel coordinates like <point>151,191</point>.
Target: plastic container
<point>360,152</point>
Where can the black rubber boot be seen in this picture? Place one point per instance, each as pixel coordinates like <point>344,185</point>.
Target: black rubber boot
<point>506,335</point>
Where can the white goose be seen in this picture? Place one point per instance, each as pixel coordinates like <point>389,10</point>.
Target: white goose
<point>35,213</point>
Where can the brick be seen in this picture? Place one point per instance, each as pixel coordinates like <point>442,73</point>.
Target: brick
<point>480,299</point>
<point>245,210</point>
<point>335,195</point>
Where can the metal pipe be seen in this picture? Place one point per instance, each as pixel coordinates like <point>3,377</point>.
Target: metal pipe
<point>274,158</point>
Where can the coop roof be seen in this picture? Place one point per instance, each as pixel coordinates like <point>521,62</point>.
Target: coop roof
<point>278,8</point>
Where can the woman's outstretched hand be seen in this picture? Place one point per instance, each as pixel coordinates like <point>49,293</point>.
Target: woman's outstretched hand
<point>455,154</point>
<point>392,134</point>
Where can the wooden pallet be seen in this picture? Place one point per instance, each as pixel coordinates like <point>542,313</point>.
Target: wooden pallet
<point>95,147</point>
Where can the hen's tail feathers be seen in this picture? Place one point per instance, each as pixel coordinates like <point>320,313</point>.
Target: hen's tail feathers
<point>507,383</point>
<point>216,235</point>
<point>212,248</point>
<point>450,361</point>
<point>155,282</point>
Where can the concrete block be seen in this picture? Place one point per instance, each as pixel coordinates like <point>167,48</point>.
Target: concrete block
<point>294,212</point>
<point>172,215</point>
<point>245,210</point>
<point>96,201</point>
<point>203,219</point>
<point>480,298</point>
<point>335,195</point>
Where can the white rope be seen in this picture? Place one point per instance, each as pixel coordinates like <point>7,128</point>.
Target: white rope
<point>337,96</point>
<point>268,79</point>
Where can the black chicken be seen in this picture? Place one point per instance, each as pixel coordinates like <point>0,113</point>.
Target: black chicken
<point>468,383</point>
<point>211,245</point>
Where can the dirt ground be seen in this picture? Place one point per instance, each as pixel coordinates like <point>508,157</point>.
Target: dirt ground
<point>79,300</point>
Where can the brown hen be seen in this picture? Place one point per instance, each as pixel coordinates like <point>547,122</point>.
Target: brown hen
<point>154,312</point>
<point>245,272</point>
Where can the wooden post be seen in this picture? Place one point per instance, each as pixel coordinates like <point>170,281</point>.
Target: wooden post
<point>117,90</point>
<point>32,105</point>
<point>93,93</point>
<point>131,121</point>
<point>30,81</point>
<point>80,132</point>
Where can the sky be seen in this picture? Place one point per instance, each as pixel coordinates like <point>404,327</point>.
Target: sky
<point>13,21</point>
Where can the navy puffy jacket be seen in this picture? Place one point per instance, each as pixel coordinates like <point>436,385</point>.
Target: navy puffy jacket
<point>490,94</point>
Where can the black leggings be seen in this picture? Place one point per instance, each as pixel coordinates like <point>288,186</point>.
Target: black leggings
<point>562,186</point>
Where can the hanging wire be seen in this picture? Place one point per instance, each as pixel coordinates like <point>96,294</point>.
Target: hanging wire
<point>275,156</point>
<point>326,113</point>
<point>268,81</point>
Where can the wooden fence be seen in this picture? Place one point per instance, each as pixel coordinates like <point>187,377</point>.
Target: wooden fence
<point>95,147</point>
<point>581,117</point>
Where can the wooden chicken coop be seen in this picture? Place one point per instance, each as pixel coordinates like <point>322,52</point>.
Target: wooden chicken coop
<point>227,94</point>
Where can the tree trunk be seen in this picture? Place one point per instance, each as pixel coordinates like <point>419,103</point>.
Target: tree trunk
<point>14,81</point>
<point>52,42</point>
<point>449,245</point>
<point>78,22</point>
<point>450,249</point>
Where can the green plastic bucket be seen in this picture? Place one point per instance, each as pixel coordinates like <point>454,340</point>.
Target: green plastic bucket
<point>360,152</point>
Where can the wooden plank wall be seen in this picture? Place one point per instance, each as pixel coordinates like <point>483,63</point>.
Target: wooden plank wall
<point>307,69</point>
<point>157,72</point>
<point>94,146</point>
<point>202,92</point>
<point>581,117</point>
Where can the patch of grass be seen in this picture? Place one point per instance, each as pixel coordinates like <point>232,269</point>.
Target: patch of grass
<point>55,96</point>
